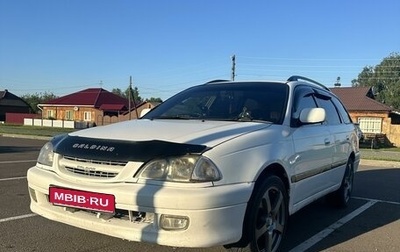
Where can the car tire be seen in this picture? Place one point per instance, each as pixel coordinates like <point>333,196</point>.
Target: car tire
<point>266,218</point>
<point>341,197</point>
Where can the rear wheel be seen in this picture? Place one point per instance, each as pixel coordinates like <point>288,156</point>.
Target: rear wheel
<point>266,218</point>
<point>342,196</point>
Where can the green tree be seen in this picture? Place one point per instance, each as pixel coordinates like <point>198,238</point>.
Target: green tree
<point>384,78</point>
<point>118,91</point>
<point>135,95</point>
<point>365,78</point>
<point>34,99</point>
<point>154,99</point>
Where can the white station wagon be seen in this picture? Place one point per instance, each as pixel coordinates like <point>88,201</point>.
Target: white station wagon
<point>223,163</point>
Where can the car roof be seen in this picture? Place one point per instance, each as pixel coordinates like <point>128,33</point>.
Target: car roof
<point>292,80</point>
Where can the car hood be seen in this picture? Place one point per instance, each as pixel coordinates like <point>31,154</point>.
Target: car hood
<point>198,132</point>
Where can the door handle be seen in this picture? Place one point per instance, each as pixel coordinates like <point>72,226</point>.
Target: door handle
<point>327,141</point>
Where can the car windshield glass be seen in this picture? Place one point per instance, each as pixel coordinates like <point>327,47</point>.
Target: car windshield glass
<point>253,101</point>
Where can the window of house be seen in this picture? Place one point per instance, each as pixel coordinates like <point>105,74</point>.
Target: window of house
<point>69,115</point>
<point>370,124</point>
<point>51,114</point>
<point>87,116</point>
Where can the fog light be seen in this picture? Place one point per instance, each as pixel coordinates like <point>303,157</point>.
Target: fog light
<point>33,194</point>
<point>173,222</point>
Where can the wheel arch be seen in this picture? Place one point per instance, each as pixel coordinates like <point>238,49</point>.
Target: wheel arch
<point>275,169</point>
<point>352,157</point>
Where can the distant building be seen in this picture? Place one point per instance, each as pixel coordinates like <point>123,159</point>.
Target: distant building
<point>10,103</point>
<point>375,118</point>
<point>92,106</point>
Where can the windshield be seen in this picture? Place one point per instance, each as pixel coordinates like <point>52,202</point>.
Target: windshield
<point>253,101</point>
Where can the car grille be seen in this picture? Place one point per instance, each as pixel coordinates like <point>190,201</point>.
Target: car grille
<point>121,214</point>
<point>91,168</point>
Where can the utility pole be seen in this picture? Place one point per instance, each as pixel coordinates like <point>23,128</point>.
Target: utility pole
<point>233,67</point>
<point>133,99</point>
<point>129,97</point>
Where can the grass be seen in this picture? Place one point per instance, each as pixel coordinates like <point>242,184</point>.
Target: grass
<point>396,149</point>
<point>389,149</point>
<point>32,130</point>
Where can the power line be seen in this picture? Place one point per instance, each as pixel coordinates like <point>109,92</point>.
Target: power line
<point>315,59</point>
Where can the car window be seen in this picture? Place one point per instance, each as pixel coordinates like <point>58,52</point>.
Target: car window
<point>230,101</point>
<point>343,112</point>
<point>303,98</point>
<point>332,116</point>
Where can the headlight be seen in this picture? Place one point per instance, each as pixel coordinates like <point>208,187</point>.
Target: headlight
<point>188,168</point>
<point>46,155</point>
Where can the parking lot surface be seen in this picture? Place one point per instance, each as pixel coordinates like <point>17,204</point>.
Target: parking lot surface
<point>370,223</point>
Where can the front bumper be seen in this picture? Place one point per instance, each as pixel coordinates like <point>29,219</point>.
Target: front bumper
<point>215,214</point>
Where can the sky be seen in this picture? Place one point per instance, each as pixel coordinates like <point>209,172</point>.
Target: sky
<point>66,46</point>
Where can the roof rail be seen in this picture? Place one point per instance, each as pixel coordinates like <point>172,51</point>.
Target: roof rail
<point>214,81</point>
<point>297,77</point>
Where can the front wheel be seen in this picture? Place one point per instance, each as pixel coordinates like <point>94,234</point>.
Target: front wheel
<point>266,217</point>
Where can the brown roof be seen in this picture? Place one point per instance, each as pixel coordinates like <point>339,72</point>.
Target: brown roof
<point>95,97</point>
<point>112,107</point>
<point>359,99</point>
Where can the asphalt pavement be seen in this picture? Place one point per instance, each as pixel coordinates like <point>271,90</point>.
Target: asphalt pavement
<point>370,223</point>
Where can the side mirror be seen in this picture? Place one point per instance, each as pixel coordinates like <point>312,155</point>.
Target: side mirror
<point>312,115</point>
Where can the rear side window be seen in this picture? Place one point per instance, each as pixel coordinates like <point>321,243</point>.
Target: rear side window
<point>342,111</point>
<point>332,116</point>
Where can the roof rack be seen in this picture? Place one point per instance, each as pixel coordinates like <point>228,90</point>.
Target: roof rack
<point>298,77</point>
<point>214,81</point>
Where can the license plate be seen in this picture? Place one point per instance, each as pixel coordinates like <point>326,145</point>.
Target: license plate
<point>82,199</point>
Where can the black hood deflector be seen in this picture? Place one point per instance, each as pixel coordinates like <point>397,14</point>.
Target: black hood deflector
<point>121,150</point>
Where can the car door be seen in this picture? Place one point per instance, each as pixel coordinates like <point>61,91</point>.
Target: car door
<point>345,136</point>
<point>341,135</point>
<point>313,148</point>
